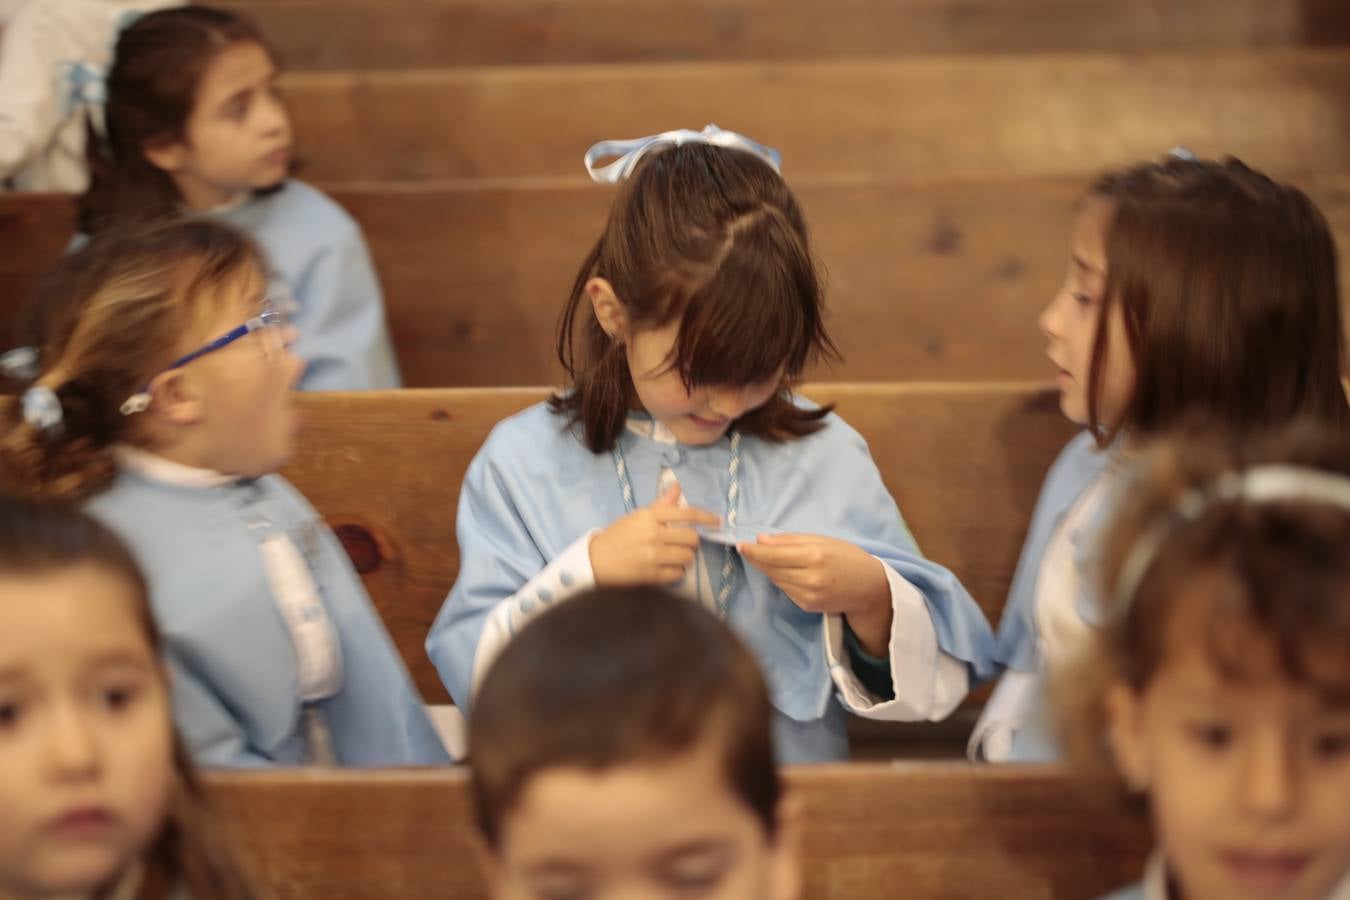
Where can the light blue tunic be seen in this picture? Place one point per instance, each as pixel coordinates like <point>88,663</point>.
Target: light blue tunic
<point>1017,643</point>
<point>318,253</point>
<point>229,652</point>
<point>534,489</point>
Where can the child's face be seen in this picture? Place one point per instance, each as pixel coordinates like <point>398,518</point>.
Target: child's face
<point>237,138</point>
<point>700,416</point>
<point>246,390</point>
<point>671,829</point>
<point>1070,324</point>
<point>86,748</point>
<point>1248,781</point>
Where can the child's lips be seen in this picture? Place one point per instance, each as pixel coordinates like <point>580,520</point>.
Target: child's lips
<point>83,822</point>
<point>708,423</point>
<point>280,156</point>
<point>1267,871</point>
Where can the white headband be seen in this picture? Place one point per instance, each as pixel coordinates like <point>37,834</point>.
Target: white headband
<point>630,152</point>
<point>1261,484</point>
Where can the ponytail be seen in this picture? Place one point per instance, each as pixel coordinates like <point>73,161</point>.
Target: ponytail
<point>108,317</point>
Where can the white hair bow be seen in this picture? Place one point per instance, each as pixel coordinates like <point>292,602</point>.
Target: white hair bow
<point>630,152</point>
<point>1273,483</point>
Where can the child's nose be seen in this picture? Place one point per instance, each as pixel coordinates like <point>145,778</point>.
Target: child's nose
<point>72,751</point>
<point>1048,321</point>
<point>729,404</point>
<point>1268,781</point>
<point>275,119</point>
<point>297,367</point>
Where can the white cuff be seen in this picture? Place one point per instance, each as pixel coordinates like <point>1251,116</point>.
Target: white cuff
<point>568,574</point>
<point>1003,715</point>
<point>928,683</point>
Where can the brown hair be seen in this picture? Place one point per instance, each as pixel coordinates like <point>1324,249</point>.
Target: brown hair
<point>714,238</point>
<point>36,538</point>
<point>109,317</point>
<point>1227,283</point>
<point>646,675</point>
<point>1242,573</point>
<point>152,87</point>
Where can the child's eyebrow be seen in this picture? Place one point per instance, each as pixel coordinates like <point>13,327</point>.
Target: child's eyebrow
<point>701,847</point>
<point>118,659</point>
<point>236,96</point>
<point>554,868</point>
<point>1085,265</point>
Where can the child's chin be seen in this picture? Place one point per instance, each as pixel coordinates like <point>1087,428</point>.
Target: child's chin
<point>83,872</point>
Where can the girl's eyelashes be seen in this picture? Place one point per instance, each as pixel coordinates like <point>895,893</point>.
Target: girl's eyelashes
<point>118,698</point>
<point>10,713</point>
<point>1333,745</point>
<point>1210,735</point>
<point>237,108</point>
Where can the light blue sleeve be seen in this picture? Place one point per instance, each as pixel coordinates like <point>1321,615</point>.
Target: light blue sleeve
<point>343,335</point>
<point>872,515</point>
<point>497,557</point>
<point>210,733</point>
<point>1078,463</point>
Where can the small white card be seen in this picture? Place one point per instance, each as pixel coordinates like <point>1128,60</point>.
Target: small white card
<point>731,535</point>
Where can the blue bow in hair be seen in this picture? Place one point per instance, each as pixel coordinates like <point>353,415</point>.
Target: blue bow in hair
<point>629,153</point>
<point>86,88</point>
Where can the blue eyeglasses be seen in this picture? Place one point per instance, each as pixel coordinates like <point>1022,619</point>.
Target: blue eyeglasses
<point>275,316</point>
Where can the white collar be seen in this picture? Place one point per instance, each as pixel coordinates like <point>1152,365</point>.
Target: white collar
<point>1155,878</point>
<point>157,468</point>
<point>647,427</point>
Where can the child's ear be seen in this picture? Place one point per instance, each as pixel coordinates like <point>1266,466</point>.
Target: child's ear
<point>787,848</point>
<point>167,155</point>
<point>609,309</point>
<point>175,398</point>
<point>1125,734</point>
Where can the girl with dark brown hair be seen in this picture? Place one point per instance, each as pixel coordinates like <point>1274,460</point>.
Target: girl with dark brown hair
<point>1194,288</point>
<point>680,455</point>
<point>193,124</point>
<point>99,799</point>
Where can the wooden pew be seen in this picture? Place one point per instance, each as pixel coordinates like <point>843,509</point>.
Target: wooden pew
<point>936,117</point>
<point>926,281</point>
<point>953,832</point>
<point>964,461</point>
<point>364,34</point>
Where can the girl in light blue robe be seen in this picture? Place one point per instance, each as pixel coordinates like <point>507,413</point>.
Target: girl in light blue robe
<point>231,656</point>
<point>1253,340</point>
<point>162,403</point>
<point>205,78</point>
<point>1217,665</point>
<point>680,414</point>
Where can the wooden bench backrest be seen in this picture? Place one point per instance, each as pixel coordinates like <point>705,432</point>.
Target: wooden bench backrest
<point>940,281</point>
<point>368,34</point>
<point>928,117</point>
<point>954,832</point>
<point>965,462</point>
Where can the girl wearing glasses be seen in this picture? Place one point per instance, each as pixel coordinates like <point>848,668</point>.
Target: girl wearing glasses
<point>163,403</point>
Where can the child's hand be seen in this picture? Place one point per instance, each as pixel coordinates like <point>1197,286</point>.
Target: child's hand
<point>649,546</point>
<point>825,575</point>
